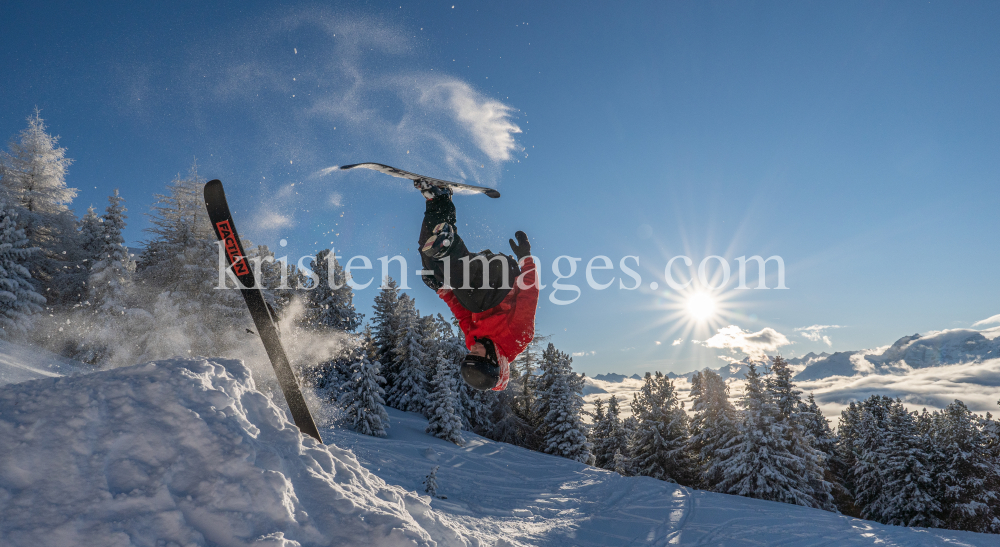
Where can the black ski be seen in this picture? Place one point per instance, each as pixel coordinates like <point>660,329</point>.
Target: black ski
<point>225,229</point>
<point>399,173</point>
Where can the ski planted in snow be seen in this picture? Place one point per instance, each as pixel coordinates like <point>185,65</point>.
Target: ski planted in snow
<point>225,229</point>
<point>399,173</point>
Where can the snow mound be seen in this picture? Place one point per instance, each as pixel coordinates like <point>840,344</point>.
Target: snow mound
<point>185,452</point>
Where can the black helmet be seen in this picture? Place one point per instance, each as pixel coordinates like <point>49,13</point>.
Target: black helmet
<point>482,373</point>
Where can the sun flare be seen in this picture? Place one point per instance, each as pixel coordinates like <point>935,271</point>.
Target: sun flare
<point>700,306</point>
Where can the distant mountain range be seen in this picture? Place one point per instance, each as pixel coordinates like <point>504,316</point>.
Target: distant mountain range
<point>616,378</point>
<point>948,347</point>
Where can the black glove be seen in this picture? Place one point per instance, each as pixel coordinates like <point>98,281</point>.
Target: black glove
<point>521,248</point>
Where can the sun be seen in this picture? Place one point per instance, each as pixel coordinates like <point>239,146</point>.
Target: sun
<point>700,306</point>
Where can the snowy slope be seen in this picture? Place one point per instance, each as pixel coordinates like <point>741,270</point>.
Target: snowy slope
<point>187,452</point>
<point>498,490</point>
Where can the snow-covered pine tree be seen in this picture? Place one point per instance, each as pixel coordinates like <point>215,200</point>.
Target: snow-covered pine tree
<point>444,421</point>
<point>965,472</point>
<point>181,262</point>
<point>658,447</point>
<point>328,307</point>
<point>621,465</point>
<point>362,398</point>
<point>713,424</point>
<point>111,274</point>
<point>847,457</point>
<point>789,403</point>
<point>108,288</point>
<point>385,324</point>
<point>817,427</point>
<point>822,438</point>
<point>430,482</point>
<point>33,181</point>
<point>758,463</point>
<point>617,436</point>
<point>409,388</point>
<point>18,299</point>
<point>872,449</point>
<point>909,497</point>
<point>565,433</point>
<point>91,236</point>
<point>180,224</point>
<point>553,363</point>
<point>524,402</point>
<point>598,433</point>
<point>607,434</point>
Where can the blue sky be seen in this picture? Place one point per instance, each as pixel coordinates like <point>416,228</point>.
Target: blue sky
<point>856,140</point>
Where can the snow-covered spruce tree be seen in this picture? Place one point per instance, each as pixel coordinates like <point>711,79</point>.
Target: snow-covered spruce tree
<point>758,463</point>
<point>565,433</point>
<point>909,497</point>
<point>330,306</point>
<point>444,421</point>
<point>111,274</point>
<point>843,465</point>
<point>618,433</point>
<point>91,236</point>
<point>658,447</point>
<point>528,362</point>
<point>822,438</point>
<point>789,403</point>
<point>18,299</point>
<point>621,465</point>
<point>412,358</point>
<point>607,434</point>
<point>362,398</point>
<point>33,181</point>
<point>553,363</point>
<point>430,482</point>
<point>597,432</point>
<point>817,427</point>
<point>385,324</point>
<point>872,454</point>
<point>713,424</point>
<point>966,475</point>
<point>111,269</point>
<point>181,263</point>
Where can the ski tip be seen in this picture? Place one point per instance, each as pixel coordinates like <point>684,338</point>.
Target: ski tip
<point>212,187</point>
<point>492,193</point>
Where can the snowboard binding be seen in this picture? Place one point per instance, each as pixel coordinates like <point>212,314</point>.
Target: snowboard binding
<point>431,191</point>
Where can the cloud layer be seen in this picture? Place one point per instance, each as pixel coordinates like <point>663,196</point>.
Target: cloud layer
<point>754,344</point>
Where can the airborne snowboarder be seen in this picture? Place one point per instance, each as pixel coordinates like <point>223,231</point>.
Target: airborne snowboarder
<point>493,296</point>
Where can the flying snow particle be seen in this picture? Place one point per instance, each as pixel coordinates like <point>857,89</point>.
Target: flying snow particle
<point>283,242</point>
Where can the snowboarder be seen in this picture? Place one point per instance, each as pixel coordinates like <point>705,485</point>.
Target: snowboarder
<point>493,296</point>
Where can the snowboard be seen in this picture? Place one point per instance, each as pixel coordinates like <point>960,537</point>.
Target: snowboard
<point>399,173</point>
<point>225,229</point>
